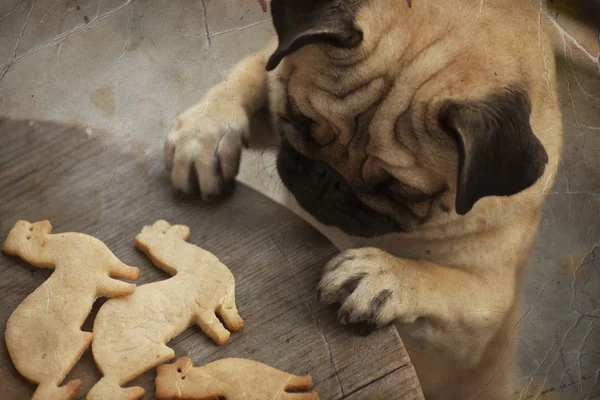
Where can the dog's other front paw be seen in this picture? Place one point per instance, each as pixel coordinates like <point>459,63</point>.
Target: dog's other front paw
<point>204,150</point>
<point>367,283</point>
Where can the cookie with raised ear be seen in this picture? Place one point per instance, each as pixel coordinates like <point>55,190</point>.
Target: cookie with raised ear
<point>232,379</point>
<point>130,334</point>
<point>43,334</point>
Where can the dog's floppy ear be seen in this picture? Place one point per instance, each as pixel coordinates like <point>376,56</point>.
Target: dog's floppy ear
<point>302,22</point>
<point>499,155</point>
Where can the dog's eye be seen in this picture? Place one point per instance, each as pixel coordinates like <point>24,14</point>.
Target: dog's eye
<point>323,134</point>
<point>299,121</point>
<point>301,127</point>
<point>406,194</point>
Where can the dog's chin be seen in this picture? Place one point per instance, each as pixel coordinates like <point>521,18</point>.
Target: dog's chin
<point>327,196</point>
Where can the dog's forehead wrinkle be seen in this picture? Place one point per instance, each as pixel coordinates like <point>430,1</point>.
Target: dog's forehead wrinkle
<point>384,146</point>
<point>353,103</point>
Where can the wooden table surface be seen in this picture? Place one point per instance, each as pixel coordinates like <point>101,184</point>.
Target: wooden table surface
<point>98,186</point>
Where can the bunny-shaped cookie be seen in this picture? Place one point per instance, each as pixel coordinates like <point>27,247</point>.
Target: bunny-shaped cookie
<point>130,334</point>
<point>43,334</point>
<point>230,378</point>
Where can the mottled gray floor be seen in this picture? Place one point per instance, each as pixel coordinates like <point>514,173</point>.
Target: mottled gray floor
<point>129,67</point>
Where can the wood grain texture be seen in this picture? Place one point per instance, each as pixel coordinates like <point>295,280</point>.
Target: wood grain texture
<point>96,186</point>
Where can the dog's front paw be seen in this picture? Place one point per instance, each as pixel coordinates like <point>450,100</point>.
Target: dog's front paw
<point>209,145</point>
<point>366,282</point>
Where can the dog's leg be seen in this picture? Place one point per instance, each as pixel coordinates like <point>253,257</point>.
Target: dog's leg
<point>452,310</point>
<point>208,137</point>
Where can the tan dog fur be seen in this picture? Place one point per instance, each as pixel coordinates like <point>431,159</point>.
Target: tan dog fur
<point>454,279</point>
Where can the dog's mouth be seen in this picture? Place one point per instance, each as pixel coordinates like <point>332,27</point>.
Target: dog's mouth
<point>326,195</point>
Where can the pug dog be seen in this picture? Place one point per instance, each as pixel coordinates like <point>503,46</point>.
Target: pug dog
<point>431,127</point>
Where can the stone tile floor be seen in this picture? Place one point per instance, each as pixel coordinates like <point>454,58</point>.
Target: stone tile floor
<point>129,67</point>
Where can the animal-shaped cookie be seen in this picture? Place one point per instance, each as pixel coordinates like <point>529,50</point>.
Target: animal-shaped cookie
<point>43,334</point>
<point>231,379</point>
<point>130,334</point>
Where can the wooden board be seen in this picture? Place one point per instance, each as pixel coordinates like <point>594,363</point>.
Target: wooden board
<point>96,186</point>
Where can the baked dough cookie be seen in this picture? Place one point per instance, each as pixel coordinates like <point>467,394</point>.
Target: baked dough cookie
<point>130,334</point>
<point>43,334</point>
<point>230,378</point>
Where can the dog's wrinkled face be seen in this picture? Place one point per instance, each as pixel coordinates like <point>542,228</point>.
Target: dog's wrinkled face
<point>392,111</point>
